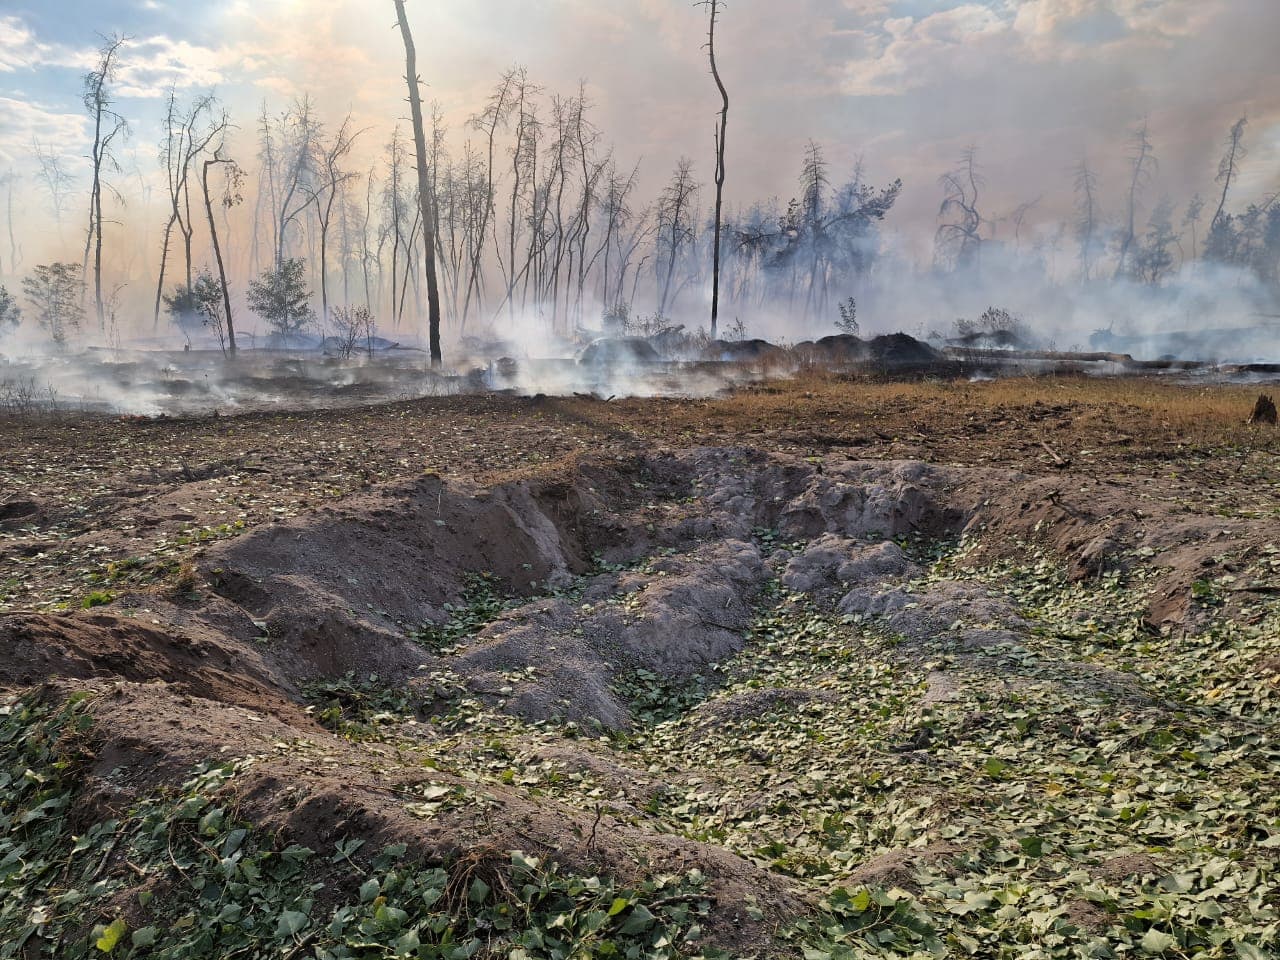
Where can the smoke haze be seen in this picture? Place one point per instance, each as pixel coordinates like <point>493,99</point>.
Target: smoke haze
<point>903,87</point>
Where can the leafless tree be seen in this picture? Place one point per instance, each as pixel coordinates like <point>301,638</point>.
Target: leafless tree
<point>1086,187</point>
<point>395,206</point>
<point>1229,165</point>
<point>15,254</point>
<point>524,173</point>
<point>713,7</point>
<point>108,127</point>
<point>231,196</point>
<point>675,227</point>
<point>425,198</point>
<point>591,168</point>
<point>352,325</point>
<point>488,121</point>
<point>54,178</point>
<point>1142,168</point>
<point>287,156</point>
<point>188,134</point>
<point>958,241</point>
<point>324,191</point>
<point>1191,219</point>
<point>1019,218</point>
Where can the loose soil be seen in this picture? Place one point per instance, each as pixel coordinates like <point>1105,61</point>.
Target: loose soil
<point>816,637</point>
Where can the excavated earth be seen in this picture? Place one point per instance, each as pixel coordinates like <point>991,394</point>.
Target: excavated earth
<point>651,559</point>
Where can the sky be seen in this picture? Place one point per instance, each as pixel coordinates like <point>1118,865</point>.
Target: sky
<point>904,84</point>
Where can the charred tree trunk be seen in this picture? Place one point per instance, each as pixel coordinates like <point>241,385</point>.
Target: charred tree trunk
<point>424,183</point>
<point>720,173</point>
<point>217,255</point>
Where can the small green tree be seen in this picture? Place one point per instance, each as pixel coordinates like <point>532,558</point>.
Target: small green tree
<point>280,297</point>
<point>207,302</point>
<point>54,292</point>
<point>182,308</point>
<point>848,322</point>
<point>10,314</point>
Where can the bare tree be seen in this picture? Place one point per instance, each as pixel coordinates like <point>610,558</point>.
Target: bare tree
<point>1019,218</point>
<point>713,7</point>
<point>1086,187</point>
<point>394,207</point>
<point>108,126</point>
<point>524,173</point>
<point>188,134</point>
<point>1142,168</point>
<point>55,180</point>
<point>15,253</point>
<point>959,240</point>
<point>287,155</point>
<point>424,183</point>
<point>351,325</point>
<point>675,226</point>
<point>1191,219</point>
<point>1229,165</point>
<point>329,183</point>
<point>231,197</point>
<point>489,121</point>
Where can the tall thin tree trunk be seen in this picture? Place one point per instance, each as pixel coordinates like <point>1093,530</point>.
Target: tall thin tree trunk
<point>217,255</point>
<point>720,172</point>
<point>14,256</point>
<point>164,263</point>
<point>424,184</point>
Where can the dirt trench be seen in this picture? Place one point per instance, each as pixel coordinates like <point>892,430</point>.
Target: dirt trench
<point>653,563</point>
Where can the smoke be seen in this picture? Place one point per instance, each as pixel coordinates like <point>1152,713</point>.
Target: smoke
<point>886,91</point>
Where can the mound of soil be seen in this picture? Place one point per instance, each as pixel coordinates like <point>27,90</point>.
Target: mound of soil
<point>742,351</point>
<point>895,352</point>
<point>619,351</point>
<point>841,348</point>
<point>676,618</point>
<point>898,350</point>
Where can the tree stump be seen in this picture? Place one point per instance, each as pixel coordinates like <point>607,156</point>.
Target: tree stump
<point>1264,411</point>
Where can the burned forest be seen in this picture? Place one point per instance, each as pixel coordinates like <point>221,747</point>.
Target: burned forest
<point>671,481</point>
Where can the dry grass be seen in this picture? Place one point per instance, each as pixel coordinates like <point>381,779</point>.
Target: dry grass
<point>1197,413</point>
<point>109,489</point>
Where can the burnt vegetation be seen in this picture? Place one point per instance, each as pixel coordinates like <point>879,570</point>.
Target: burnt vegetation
<point>527,222</point>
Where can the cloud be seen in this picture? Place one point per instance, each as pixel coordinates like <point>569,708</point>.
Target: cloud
<point>24,121</point>
<point>21,49</point>
<point>148,67</point>
<point>906,54</point>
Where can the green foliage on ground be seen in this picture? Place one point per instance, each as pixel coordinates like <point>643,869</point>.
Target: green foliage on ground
<point>1081,787</point>
<point>216,886</point>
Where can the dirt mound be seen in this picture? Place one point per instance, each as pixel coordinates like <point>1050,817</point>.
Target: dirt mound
<point>99,646</point>
<point>831,562</point>
<point>970,616</point>
<point>897,868</point>
<point>619,351</point>
<point>677,617</point>
<point>740,351</point>
<point>314,789</point>
<point>1094,525</point>
<point>338,590</point>
<point>898,350</point>
<point>842,348</point>
<point>895,352</point>
<point>858,500</point>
